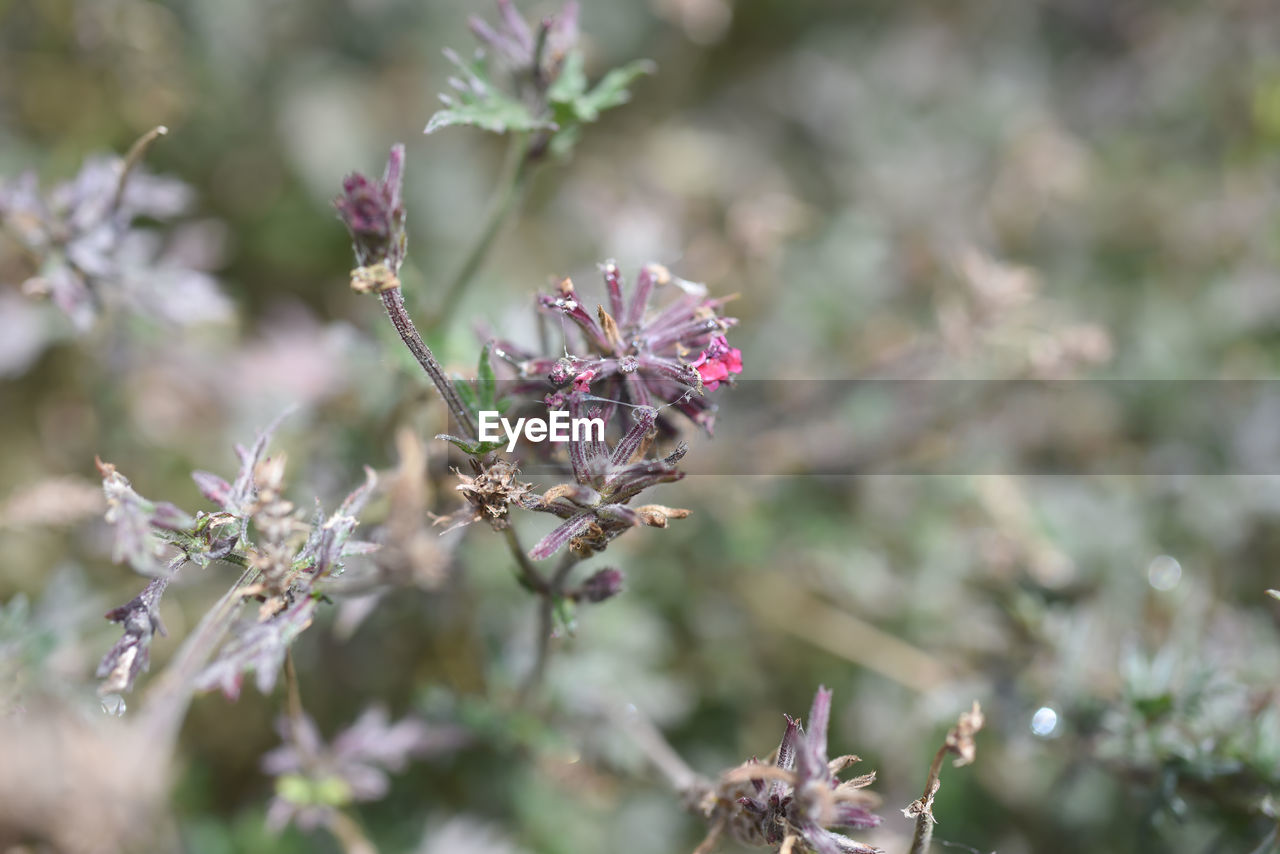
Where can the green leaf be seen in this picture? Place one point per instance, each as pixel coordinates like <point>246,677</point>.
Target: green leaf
<point>572,105</point>
<point>565,614</point>
<point>571,83</point>
<point>467,392</point>
<point>1154,707</point>
<point>612,90</point>
<point>476,449</point>
<point>486,380</point>
<point>571,102</point>
<point>478,102</point>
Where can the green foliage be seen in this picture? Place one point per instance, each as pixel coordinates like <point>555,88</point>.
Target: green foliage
<point>477,101</point>
<point>567,104</point>
<point>573,104</point>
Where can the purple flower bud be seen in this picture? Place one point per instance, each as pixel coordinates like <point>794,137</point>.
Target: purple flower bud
<point>531,57</point>
<point>603,585</point>
<point>373,212</point>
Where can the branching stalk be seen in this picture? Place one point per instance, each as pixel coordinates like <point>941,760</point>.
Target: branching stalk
<point>529,574</point>
<point>546,623</point>
<point>511,185</point>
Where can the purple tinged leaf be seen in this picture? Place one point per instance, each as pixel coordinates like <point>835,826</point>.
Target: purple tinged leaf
<point>514,24</point>
<point>130,516</point>
<point>243,490</point>
<point>327,544</point>
<point>259,648</point>
<point>360,757</point>
<point>214,488</point>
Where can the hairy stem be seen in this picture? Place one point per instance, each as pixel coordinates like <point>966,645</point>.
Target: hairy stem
<point>511,184</point>
<point>393,301</point>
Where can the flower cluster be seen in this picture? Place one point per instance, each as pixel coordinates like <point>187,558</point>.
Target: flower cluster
<point>284,565</point>
<point>91,252</point>
<point>533,59</point>
<point>314,780</point>
<point>795,800</point>
<point>594,507</point>
<point>374,214</point>
<point>633,352</point>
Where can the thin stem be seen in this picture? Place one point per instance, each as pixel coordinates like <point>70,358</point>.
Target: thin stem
<point>167,703</point>
<point>349,833</point>
<point>546,622</point>
<point>393,301</point>
<point>923,835</point>
<point>133,158</point>
<point>529,574</point>
<point>511,184</point>
<point>656,749</point>
<point>291,686</point>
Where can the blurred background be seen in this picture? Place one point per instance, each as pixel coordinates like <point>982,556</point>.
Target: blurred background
<point>1049,190</point>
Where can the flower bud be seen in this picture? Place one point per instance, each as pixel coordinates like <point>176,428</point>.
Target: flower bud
<point>603,585</point>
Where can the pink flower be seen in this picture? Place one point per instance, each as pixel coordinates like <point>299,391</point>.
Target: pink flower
<point>717,362</point>
<point>582,382</point>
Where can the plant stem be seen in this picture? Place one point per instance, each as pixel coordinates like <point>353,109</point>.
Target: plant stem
<point>167,703</point>
<point>291,686</point>
<point>529,573</point>
<point>546,621</point>
<point>349,834</point>
<point>131,160</point>
<point>923,835</point>
<point>515,175</point>
<point>393,301</point>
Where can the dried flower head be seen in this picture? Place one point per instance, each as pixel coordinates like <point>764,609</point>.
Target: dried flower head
<point>374,214</point>
<point>489,493</point>
<point>594,506</point>
<point>131,655</point>
<point>794,800</point>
